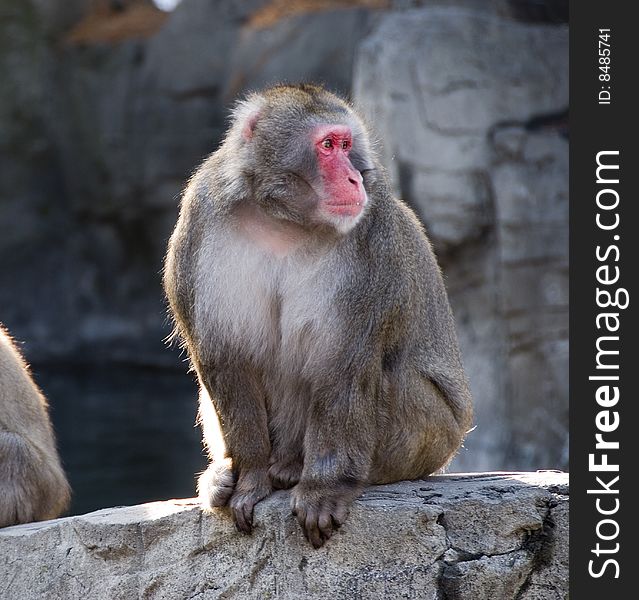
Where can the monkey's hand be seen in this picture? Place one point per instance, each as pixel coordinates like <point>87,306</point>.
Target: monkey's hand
<point>219,486</point>
<point>321,508</point>
<point>251,487</point>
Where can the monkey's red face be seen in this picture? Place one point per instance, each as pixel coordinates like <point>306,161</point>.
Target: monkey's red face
<point>308,162</point>
<point>344,193</point>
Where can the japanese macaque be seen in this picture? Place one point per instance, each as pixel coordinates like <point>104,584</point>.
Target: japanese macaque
<point>314,313</point>
<point>33,486</point>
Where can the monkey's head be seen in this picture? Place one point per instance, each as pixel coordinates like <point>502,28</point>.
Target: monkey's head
<point>305,155</point>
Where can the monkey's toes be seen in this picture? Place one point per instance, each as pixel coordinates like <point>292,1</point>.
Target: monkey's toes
<point>215,486</point>
<point>242,508</point>
<point>319,518</point>
<point>250,489</point>
<point>285,475</point>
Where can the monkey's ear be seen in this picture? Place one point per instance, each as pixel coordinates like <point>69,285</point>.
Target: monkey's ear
<point>247,113</point>
<point>249,125</point>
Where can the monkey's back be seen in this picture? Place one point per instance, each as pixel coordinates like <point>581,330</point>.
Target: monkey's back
<point>23,406</point>
<point>411,285</point>
<point>32,483</point>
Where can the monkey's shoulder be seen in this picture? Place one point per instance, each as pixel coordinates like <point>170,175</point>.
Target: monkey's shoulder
<point>397,239</point>
<point>213,188</point>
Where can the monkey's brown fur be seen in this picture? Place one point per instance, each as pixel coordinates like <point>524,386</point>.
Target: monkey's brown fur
<point>33,486</point>
<point>324,346</point>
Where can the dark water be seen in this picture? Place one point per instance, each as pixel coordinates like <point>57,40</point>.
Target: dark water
<point>126,435</point>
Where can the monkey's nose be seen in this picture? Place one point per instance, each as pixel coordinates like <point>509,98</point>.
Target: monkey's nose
<point>353,181</point>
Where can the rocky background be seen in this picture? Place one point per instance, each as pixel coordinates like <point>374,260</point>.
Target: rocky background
<point>107,106</point>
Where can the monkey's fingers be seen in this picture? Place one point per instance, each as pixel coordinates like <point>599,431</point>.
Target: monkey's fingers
<point>313,533</point>
<point>325,524</point>
<point>252,486</point>
<point>319,519</point>
<point>243,514</point>
<point>331,516</point>
<point>299,510</point>
<point>308,522</point>
<point>340,513</point>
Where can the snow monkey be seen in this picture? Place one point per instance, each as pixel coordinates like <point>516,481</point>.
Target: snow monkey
<point>33,486</point>
<point>314,314</point>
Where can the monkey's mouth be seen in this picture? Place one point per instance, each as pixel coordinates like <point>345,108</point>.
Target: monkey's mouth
<point>350,208</point>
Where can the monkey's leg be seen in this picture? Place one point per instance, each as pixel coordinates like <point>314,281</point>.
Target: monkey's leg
<point>421,434</point>
<point>339,443</point>
<point>238,400</point>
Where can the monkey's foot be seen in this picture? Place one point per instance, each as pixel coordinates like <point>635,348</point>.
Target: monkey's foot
<point>320,510</point>
<point>215,486</point>
<point>285,474</point>
<point>252,486</point>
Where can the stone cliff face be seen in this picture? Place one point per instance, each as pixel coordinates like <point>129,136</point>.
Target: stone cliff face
<point>105,123</point>
<point>482,537</point>
<point>104,114</point>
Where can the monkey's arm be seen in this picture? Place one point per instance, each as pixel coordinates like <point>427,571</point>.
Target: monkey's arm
<point>233,402</point>
<point>235,392</point>
<point>340,441</point>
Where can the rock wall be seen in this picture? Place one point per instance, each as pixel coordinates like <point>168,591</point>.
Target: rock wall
<point>106,119</point>
<point>106,107</point>
<point>482,537</point>
<point>471,111</point>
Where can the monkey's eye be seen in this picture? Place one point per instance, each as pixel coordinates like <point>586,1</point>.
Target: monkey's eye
<point>345,145</point>
<point>327,143</point>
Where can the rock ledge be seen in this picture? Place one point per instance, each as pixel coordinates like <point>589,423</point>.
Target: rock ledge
<point>481,535</point>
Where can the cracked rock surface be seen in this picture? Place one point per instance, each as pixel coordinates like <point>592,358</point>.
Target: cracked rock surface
<point>480,536</point>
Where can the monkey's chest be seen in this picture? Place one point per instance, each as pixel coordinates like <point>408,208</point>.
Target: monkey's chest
<point>274,309</point>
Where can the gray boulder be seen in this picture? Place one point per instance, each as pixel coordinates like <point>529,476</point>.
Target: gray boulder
<point>478,537</point>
